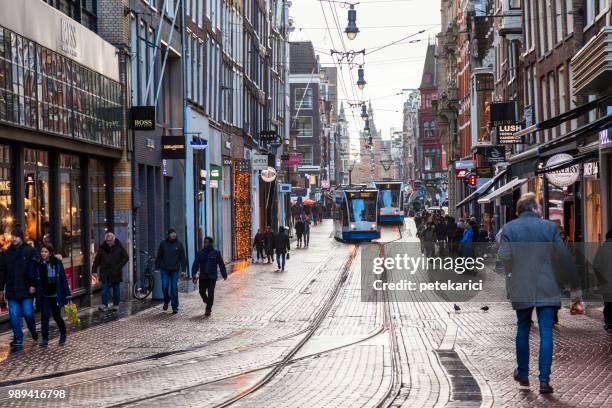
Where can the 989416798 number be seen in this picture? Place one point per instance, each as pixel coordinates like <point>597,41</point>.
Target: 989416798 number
<point>37,394</point>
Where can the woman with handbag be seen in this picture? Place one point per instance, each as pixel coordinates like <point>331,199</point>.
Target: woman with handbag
<point>53,293</point>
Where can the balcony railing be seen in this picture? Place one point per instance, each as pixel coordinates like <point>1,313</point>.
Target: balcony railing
<point>592,66</point>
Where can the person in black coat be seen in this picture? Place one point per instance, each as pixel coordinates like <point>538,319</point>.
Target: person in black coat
<point>299,231</point>
<point>171,261</point>
<point>108,263</point>
<point>208,263</point>
<point>281,245</point>
<point>18,285</point>
<point>269,244</point>
<point>53,292</point>
<point>258,244</point>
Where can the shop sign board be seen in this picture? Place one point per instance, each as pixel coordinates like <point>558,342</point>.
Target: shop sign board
<point>215,172</point>
<point>464,164</point>
<point>563,177</point>
<point>243,166</point>
<point>142,117</point>
<point>285,188</point>
<point>486,172</point>
<point>267,136</point>
<point>604,138</point>
<point>259,161</point>
<point>173,147</point>
<point>461,173</point>
<point>506,134</point>
<point>294,160</point>
<point>502,113</point>
<point>268,175</point>
<point>324,183</point>
<point>493,154</point>
<point>591,169</point>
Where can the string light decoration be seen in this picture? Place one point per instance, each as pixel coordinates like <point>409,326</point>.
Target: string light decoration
<point>242,208</point>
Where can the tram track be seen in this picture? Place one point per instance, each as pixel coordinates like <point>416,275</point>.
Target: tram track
<point>278,366</point>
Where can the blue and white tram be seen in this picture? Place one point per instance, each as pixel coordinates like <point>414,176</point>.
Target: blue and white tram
<point>355,214</point>
<point>390,201</point>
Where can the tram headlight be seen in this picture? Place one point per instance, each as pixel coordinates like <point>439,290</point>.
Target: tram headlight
<point>373,226</point>
<point>353,227</point>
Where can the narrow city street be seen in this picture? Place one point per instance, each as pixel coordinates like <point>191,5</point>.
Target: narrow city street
<point>305,338</point>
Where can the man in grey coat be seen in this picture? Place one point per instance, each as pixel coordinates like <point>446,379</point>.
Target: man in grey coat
<point>537,265</point>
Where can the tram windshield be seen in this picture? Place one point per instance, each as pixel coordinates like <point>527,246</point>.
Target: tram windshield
<point>389,198</point>
<point>362,209</point>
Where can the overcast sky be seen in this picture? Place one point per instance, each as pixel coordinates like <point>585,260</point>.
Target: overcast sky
<point>388,70</point>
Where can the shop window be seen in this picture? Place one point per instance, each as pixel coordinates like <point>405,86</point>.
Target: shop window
<point>70,214</point>
<point>6,207</point>
<point>98,216</point>
<point>36,197</point>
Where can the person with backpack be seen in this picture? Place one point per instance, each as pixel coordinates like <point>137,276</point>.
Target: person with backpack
<point>53,293</point>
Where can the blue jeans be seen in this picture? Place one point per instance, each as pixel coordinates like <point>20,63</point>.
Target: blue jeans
<point>18,309</point>
<point>106,287</point>
<point>170,281</point>
<point>280,260</point>
<point>546,317</point>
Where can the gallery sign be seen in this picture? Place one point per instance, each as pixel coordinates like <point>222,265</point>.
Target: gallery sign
<point>563,177</point>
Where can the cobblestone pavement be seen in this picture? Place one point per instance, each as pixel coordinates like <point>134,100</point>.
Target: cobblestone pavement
<point>305,338</point>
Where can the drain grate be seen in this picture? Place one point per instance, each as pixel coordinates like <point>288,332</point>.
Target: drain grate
<point>465,391</point>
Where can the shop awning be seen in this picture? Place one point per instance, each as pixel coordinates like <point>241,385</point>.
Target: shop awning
<point>506,188</point>
<point>483,189</point>
<point>564,117</point>
<point>581,158</point>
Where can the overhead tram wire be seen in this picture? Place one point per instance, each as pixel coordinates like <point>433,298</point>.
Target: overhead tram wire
<point>340,77</point>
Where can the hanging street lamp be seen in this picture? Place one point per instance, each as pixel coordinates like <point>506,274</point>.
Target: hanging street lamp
<point>364,112</point>
<point>351,29</point>
<point>361,83</point>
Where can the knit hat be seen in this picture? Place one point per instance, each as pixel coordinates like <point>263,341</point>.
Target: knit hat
<point>17,231</point>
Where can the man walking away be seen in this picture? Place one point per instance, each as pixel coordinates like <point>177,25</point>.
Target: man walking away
<point>208,262</point>
<point>532,251</point>
<point>108,263</point>
<point>269,244</point>
<point>281,244</point>
<point>258,244</point>
<point>171,260</point>
<point>307,224</point>
<point>603,272</point>
<point>18,285</point>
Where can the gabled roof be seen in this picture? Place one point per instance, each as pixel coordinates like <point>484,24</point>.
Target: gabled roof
<point>302,58</point>
<point>428,80</point>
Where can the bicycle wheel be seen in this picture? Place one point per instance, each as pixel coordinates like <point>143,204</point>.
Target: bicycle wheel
<point>143,287</point>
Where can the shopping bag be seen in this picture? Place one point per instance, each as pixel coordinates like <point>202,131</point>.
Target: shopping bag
<point>72,314</point>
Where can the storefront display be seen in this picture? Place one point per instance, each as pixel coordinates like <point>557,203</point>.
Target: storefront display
<point>6,197</point>
<point>98,213</point>
<point>71,207</point>
<point>36,197</point>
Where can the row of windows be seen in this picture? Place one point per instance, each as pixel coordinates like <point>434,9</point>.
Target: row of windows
<point>41,89</point>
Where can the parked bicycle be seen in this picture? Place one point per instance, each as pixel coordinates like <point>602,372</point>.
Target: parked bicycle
<point>143,286</point>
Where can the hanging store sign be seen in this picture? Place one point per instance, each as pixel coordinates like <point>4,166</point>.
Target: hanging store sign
<point>506,134</point>
<point>502,113</point>
<point>142,118</point>
<point>268,175</point>
<point>267,136</point>
<point>464,164</point>
<point>493,154</point>
<point>173,147</point>
<point>461,173</point>
<point>484,172</point>
<point>259,161</point>
<point>604,138</point>
<point>591,170</point>
<point>215,172</point>
<point>324,183</point>
<point>294,160</point>
<point>243,166</point>
<point>285,188</point>
<point>562,177</point>
<point>198,144</point>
